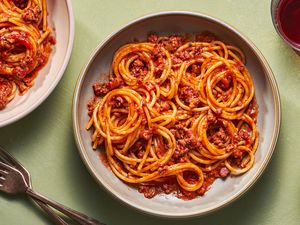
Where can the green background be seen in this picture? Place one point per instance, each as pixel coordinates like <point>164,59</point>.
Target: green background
<point>43,141</point>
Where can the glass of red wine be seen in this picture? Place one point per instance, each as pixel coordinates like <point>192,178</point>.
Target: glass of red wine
<point>286,19</point>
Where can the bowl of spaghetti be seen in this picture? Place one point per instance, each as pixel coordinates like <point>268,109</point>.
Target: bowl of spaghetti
<point>36,40</point>
<point>176,119</point>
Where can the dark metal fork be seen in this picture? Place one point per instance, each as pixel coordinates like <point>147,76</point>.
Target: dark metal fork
<point>5,157</point>
<point>12,181</point>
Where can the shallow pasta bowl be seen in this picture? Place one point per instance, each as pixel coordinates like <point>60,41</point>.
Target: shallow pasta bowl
<point>168,23</point>
<point>61,19</point>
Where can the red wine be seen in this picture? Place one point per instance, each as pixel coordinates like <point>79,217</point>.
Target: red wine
<point>288,18</point>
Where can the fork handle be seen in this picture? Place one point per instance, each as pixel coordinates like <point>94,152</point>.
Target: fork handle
<point>77,216</point>
<point>56,218</point>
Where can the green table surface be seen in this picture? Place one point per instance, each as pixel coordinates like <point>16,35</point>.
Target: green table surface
<point>43,141</point>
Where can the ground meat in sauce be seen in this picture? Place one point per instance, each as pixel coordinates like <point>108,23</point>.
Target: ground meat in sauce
<point>224,172</point>
<point>16,43</point>
<point>21,4</point>
<point>219,137</point>
<point>153,38</point>
<point>208,181</point>
<point>5,91</point>
<point>196,69</point>
<point>101,88</point>
<point>147,190</point>
<point>191,53</point>
<point>150,190</point>
<point>32,14</point>
<point>5,44</point>
<point>186,141</point>
<point>51,39</point>
<point>147,134</point>
<point>91,105</point>
<point>138,68</point>
<point>253,110</point>
<point>244,135</point>
<point>225,83</point>
<point>189,96</point>
<point>16,62</point>
<point>149,86</point>
<point>173,43</point>
<point>139,147</point>
<point>158,57</point>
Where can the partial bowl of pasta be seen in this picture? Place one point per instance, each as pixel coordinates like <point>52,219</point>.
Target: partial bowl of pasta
<point>176,119</point>
<point>36,44</point>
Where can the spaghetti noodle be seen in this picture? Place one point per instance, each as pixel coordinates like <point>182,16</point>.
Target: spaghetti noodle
<point>176,114</point>
<point>25,45</point>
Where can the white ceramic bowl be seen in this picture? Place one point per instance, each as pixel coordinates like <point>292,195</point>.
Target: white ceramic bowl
<point>221,192</point>
<point>61,18</point>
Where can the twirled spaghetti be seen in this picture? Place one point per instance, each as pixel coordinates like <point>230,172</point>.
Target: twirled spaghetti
<point>176,114</point>
<point>25,45</point>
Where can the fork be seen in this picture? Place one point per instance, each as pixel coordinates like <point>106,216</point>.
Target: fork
<point>5,157</point>
<point>13,182</point>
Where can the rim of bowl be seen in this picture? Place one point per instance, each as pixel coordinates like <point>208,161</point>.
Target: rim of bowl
<point>82,151</point>
<point>60,72</point>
